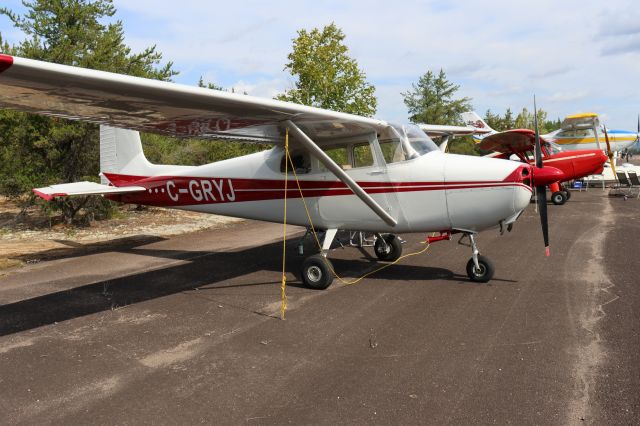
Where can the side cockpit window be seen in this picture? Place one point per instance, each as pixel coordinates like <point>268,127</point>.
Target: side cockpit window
<point>392,150</point>
<point>362,155</point>
<point>350,156</point>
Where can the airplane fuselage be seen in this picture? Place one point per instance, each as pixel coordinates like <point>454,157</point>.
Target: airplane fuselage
<point>434,192</point>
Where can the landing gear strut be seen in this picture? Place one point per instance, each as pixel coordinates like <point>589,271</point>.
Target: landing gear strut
<point>479,268</point>
<point>317,271</point>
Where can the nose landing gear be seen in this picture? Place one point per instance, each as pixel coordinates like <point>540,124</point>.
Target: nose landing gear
<point>479,268</point>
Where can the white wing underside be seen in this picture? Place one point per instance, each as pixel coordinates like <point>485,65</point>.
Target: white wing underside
<point>163,107</point>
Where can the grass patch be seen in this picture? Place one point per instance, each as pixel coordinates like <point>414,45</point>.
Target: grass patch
<point>9,263</point>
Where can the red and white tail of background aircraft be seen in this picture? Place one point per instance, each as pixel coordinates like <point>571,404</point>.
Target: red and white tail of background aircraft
<point>574,164</point>
<point>354,172</point>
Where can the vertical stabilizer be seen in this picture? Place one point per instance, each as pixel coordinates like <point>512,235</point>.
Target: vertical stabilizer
<point>471,118</point>
<point>121,153</point>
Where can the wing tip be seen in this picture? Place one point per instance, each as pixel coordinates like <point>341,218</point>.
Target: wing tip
<point>44,196</point>
<point>546,250</point>
<point>5,62</point>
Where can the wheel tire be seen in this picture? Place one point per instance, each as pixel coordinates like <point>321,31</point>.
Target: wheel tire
<point>558,198</point>
<point>392,251</point>
<point>567,194</point>
<point>316,273</point>
<point>486,270</point>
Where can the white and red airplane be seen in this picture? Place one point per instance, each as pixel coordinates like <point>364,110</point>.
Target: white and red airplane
<point>354,172</point>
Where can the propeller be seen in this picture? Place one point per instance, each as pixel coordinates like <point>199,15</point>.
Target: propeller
<point>541,188</point>
<point>609,152</point>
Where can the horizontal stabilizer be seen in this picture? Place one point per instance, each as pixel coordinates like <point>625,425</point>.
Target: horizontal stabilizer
<point>83,188</point>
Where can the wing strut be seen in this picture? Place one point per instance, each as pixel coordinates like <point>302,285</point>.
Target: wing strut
<point>339,173</point>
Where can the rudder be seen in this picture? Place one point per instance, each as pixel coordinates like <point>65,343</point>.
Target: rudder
<point>471,118</point>
<point>121,153</point>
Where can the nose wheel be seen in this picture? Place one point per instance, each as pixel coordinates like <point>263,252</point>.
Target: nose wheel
<point>479,268</point>
<point>388,247</point>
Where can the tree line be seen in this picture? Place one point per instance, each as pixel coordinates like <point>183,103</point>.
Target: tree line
<point>37,151</point>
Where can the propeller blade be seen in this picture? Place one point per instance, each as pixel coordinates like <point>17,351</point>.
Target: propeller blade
<point>542,210</point>
<point>537,141</point>
<point>541,190</point>
<point>609,152</point>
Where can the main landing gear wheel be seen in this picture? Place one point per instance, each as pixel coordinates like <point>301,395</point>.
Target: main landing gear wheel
<point>567,194</point>
<point>316,273</point>
<point>558,198</point>
<point>482,274</point>
<point>388,248</point>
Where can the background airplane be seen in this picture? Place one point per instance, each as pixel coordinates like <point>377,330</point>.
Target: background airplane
<point>584,131</point>
<point>573,164</point>
<point>578,131</point>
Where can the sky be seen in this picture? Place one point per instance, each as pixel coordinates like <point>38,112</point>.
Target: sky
<point>575,56</point>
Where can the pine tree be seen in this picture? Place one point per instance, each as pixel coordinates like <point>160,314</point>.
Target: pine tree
<point>432,101</point>
<point>35,150</point>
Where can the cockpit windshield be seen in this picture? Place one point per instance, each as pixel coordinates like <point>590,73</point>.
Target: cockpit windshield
<point>414,141</point>
<point>553,148</point>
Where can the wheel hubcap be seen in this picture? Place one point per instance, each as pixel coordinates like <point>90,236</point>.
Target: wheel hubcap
<point>479,271</point>
<point>314,274</point>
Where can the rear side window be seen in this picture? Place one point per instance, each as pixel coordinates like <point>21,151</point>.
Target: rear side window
<point>340,156</point>
<point>301,163</point>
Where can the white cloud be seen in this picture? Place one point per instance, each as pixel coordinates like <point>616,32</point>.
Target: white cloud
<point>261,88</point>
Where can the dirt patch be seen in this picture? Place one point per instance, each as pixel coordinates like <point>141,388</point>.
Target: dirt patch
<point>33,237</point>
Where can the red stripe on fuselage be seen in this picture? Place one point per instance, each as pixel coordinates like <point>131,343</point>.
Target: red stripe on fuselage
<point>184,191</point>
<point>5,62</point>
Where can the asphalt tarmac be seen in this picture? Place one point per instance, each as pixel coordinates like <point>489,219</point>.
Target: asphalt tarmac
<point>186,330</point>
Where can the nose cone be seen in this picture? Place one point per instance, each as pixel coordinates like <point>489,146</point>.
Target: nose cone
<point>484,192</point>
<point>598,166</point>
<point>546,175</point>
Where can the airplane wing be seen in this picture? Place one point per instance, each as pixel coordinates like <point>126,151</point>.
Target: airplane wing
<point>83,188</point>
<point>177,110</point>
<point>587,120</point>
<point>436,130</point>
<point>509,142</point>
<point>162,107</point>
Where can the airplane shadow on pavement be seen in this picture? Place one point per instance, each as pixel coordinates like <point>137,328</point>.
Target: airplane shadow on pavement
<point>201,269</point>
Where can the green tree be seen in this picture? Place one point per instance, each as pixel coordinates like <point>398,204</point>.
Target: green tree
<point>499,123</point>
<point>51,150</point>
<point>493,120</point>
<point>209,85</point>
<point>508,122</point>
<point>432,100</point>
<point>326,76</point>
<point>525,120</point>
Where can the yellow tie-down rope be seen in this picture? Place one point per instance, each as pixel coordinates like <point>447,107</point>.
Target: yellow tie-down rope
<point>283,284</point>
<point>283,305</point>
